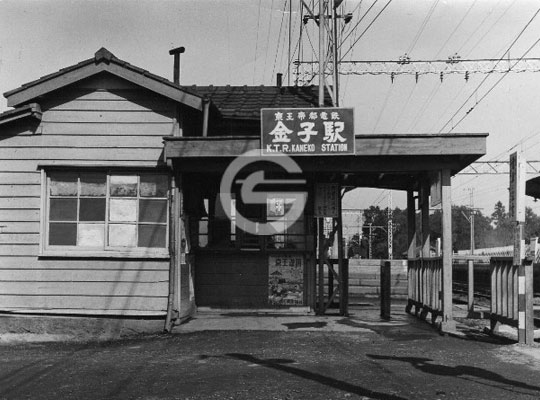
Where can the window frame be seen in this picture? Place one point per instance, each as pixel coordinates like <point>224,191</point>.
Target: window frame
<point>107,251</point>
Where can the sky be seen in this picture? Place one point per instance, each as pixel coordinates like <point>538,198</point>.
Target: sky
<point>246,42</point>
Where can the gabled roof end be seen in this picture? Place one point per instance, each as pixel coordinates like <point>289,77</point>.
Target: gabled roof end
<point>103,55</point>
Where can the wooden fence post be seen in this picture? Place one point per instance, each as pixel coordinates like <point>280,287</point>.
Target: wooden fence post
<point>385,289</point>
<point>470,288</point>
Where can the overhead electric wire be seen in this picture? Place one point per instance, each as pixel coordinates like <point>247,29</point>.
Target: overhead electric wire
<point>256,42</point>
<point>403,108</point>
<point>487,76</point>
<point>387,97</point>
<point>422,27</point>
<point>279,39</point>
<point>490,28</point>
<point>468,40</point>
<point>359,21</point>
<point>493,87</point>
<point>455,29</point>
<point>268,38</point>
<point>367,28</point>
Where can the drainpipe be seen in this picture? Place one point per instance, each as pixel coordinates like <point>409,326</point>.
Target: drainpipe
<point>172,314</point>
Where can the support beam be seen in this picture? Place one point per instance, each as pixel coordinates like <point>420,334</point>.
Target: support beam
<point>448,324</point>
<point>424,206</point>
<point>411,225</point>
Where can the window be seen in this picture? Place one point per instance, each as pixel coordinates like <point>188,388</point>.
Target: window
<point>292,233</point>
<point>107,212</point>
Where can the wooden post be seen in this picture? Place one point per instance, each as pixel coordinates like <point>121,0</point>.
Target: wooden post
<point>320,305</point>
<point>426,247</point>
<point>343,281</point>
<point>344,274</point>
<point>448,324</point>
<point>525,292</point>
<point>411,224</point>
<point>470,287</point>
<point>411,251</point>
<point>385,289</point>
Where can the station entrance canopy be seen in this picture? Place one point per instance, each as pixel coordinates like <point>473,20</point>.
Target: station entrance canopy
<point>379,161</point>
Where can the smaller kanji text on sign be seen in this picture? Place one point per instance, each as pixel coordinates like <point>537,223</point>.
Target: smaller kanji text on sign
<point>307,131</point>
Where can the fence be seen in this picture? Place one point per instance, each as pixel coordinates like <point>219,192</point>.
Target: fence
<point>511,296</point>
<point>425,286</point>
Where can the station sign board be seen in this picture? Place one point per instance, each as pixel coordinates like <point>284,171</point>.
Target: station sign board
<point>307,131</point>
<point>516,208</point>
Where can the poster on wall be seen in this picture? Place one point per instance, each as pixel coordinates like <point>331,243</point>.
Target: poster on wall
<point>327,200</point>
<point>286,280</point>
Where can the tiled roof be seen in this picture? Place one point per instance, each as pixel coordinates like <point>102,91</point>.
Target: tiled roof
<point>102,55</point>
<point>245,102</point>
<point>232,102</point>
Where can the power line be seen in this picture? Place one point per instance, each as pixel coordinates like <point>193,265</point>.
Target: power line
<point>422,27</point>
<point>491,27</point>
<point>489,91</point>
<point>367,28</point>
<point>456,28</point>
<point>478,87</point>
<point>256,42</point>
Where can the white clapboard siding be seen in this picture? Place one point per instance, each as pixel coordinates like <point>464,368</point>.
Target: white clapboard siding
<point>19,238</point>
<point>19,214</point>
<point>14,190</point>
<point>113,289</point>
<point>86,264</point>
<point>104,117</point>
<point>19,177</point>
<point>17,250</point>
<point>20,202</point>
<point>29,165</point>
<point>19,227</point>
<point>102,121</point>
<point>101,141</point>
<point>94,128</point>
<point>85,275</point>
<point>76,153</point>
<point>76,304</point>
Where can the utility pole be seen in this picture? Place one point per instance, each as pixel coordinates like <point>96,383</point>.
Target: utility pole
<point>328,57</point>
<point>322,53</point>
<point>470,218</point>
<point>390,227</point>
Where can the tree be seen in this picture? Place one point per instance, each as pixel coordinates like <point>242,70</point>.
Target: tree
<point>461,227</point>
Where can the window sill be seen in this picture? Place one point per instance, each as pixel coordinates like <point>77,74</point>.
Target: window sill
<point>156,254</point>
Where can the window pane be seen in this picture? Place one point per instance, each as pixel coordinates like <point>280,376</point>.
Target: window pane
<point>122,235</point>
<point>122,210</point>
<point>91,235</point>
<point>276,207</point>
<point>62,234</point>
<point>63,210</point>
<point>63,184</point>
<point>152,210</point>
<point>93,184</point>
<point>154,185</point>
<point>92,210</point>
<point>152,235</point>
<point>124,185</point>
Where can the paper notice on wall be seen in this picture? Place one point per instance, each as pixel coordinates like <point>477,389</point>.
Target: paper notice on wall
<point>286,279</point>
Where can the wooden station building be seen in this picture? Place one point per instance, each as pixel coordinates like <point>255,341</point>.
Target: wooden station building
<point>110,186</point>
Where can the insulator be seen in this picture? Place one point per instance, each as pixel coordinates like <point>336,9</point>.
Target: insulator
<point>441,76</point>
<point>392,76</point>
<point>466,76</point>
<point>416,76</point>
